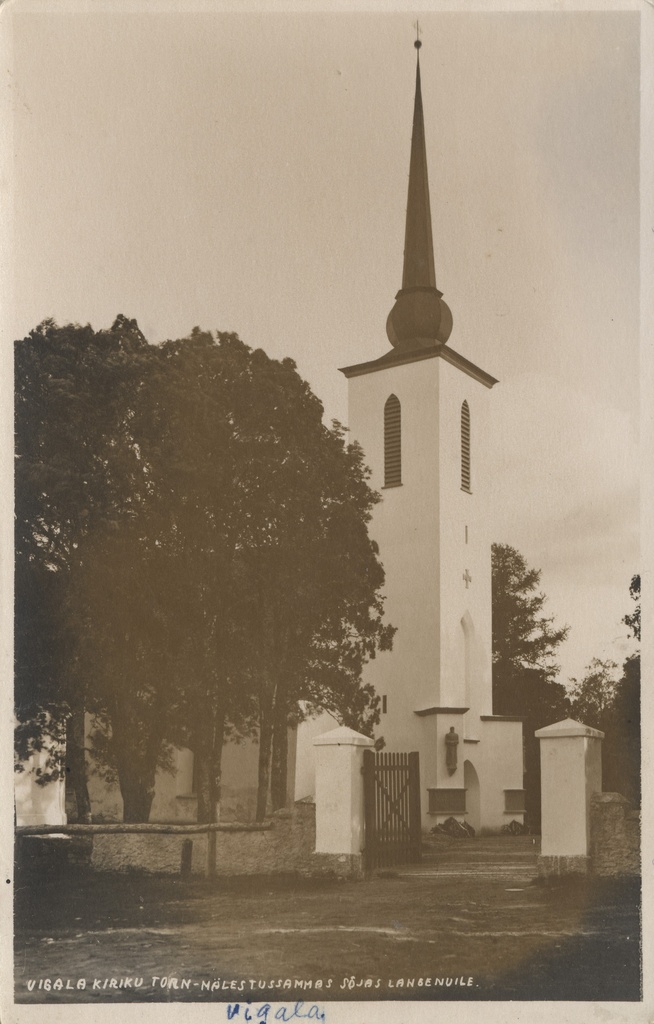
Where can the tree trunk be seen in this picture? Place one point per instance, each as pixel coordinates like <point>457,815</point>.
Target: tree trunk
<point>136,763</point>
<point>137,793</point>
<point>216,759</point>
<point>266,705</point>
<point>76,764</point>
<point>201,755</point>
<point>207,751</point>
<point>267,695</point>
<point>279,783</point>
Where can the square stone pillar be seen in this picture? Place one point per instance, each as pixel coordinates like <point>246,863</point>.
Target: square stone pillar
<point>571,772</point>
<point>339,791</point>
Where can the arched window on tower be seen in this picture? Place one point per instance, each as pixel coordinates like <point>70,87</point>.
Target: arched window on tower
<point>392,442</point>
<point>465,447</point>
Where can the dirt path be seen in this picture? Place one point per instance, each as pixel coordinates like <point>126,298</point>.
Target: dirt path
<point>400,936</point>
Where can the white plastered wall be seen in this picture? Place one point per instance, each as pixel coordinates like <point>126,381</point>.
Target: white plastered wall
<point>465,620</point>
<point>499,763</point>
<point>442,653</point>
<point>405,526</point>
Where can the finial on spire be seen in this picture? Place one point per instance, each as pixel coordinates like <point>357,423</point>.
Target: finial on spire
<point>419,317</point>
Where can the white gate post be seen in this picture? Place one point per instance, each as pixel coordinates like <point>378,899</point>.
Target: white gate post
<point>339,791</point>
<point>571,772</point>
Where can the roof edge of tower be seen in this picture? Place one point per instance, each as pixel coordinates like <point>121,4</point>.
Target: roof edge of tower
<point>397,357</point>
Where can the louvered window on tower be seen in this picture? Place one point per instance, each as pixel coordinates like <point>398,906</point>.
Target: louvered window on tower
<point>465,447</point>
<point>392,442</point>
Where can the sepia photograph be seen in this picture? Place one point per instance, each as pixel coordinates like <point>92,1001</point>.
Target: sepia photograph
<point>323,403</point>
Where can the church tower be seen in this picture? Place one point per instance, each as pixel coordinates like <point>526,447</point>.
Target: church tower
<point>420,413</point>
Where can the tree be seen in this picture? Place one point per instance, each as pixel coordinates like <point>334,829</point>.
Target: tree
<point>524,644</point>
<point>128,648</point>
<point>611,703</point>
<point>633,620</point>
<point>523,638</point>
<point>211,533</point>
<point>622,758</point>
<point>315,582</point>
<point>76,470</point>
<point>593,696</point>
<point>627,710</point>
<point>263,502</point>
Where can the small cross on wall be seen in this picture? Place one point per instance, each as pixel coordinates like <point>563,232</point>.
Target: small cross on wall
<point>467,578</point>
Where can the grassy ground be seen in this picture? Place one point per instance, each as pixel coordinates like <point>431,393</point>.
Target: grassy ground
<point>230,941</point>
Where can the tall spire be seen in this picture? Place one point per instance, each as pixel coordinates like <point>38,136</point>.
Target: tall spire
<point>419,317</point>
<point>418,244</point>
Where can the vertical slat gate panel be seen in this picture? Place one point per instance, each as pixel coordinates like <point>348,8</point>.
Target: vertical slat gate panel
<point>379,779</point>
<point>378,819</point>
<point>401,822</point>
<point>409,817</point>
<point>392,808</point>
<point>405,807</point>
<point>388,796</point>
<point>415,824</point>
<point>396,816</point>
<point>407,810</point>
<point>405,804</point>
<point>397,820</point>
<point>381,820</point>
<point>380,809</point>
<point>369,799</point>
<point>389,810</point>
<point>400,805</point>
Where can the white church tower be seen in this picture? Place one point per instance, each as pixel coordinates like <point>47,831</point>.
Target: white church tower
<point>420,413</point>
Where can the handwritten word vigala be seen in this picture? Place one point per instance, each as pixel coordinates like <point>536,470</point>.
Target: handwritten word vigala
<point>259,1012</point>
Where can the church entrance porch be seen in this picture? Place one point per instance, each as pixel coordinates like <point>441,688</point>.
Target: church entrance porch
<point>472,768</point>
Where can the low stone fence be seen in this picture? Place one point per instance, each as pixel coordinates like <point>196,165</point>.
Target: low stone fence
<point>283,845</point>
<point>614,836</point>
<point>287,847</point>
<point>159,852</point>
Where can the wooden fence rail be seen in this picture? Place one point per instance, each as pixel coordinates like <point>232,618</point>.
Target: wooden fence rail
<point>146,828</point>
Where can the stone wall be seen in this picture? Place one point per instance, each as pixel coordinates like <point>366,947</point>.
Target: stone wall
<point>139,851</point>
<point>284,845</point>
<point>614,836</point>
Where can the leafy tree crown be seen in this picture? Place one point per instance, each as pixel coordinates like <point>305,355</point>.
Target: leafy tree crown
<point>523,637</point>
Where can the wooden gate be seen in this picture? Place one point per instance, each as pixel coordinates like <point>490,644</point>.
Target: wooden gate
<point>391,786</point>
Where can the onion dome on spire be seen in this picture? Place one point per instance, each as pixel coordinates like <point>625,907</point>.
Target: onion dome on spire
<point>419,318</point>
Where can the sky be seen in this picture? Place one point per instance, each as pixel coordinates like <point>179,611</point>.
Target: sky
<point>248,172</point>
